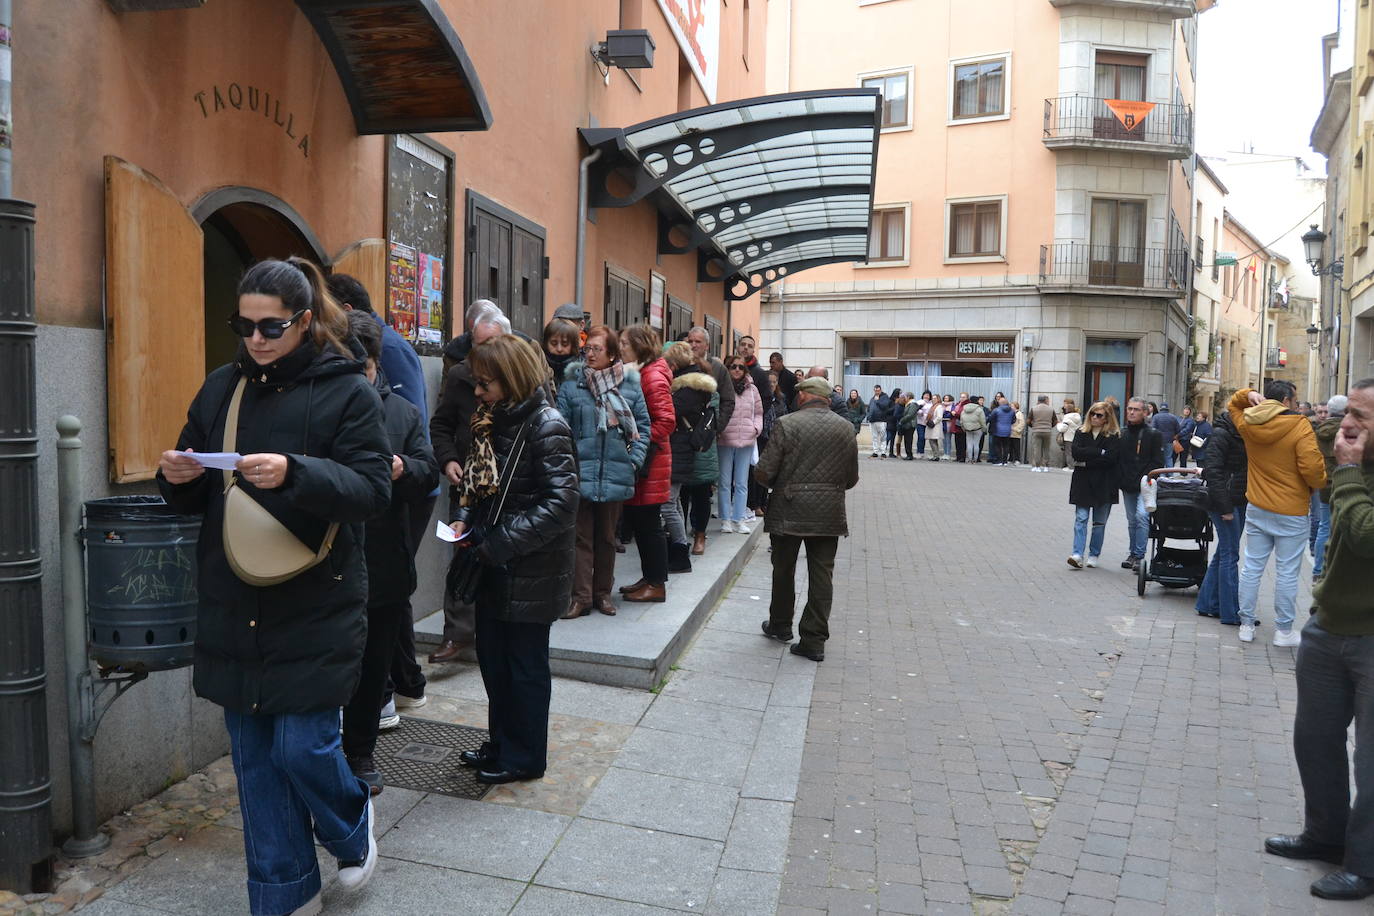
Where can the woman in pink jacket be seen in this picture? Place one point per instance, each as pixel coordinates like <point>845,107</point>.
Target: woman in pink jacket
<point>736,447</point>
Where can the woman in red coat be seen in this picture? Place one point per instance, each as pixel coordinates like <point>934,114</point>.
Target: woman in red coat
<point>642,511</point>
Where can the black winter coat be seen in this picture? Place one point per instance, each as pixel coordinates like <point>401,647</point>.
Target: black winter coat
<point>1225,467</point>
<point>298,646</point>
<point>449,429</point>
<point>528,551</point>
<point>1094,481</point>
<point>388,549</point>
<point>692,407</point>
<point>1142,451</point>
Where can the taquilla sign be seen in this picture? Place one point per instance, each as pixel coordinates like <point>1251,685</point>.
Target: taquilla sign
<point>254,100</point>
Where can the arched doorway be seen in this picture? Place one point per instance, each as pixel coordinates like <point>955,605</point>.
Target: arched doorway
<point>242,226</point>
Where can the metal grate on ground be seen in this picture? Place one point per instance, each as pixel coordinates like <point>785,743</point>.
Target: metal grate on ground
<point>423,755</point>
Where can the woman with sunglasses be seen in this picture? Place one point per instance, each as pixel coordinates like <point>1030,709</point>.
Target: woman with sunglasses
<point>1096,474</point>
<point>737,444</point>
<point>284,659</point>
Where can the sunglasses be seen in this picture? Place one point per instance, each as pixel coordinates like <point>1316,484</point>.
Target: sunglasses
<point>1097,413</point>
<point>736,368</point>
<point>270,328</point>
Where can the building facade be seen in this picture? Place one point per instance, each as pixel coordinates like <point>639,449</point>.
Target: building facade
<point>167,149</point>
<point>1033,206</point>
<point>1206,306</point>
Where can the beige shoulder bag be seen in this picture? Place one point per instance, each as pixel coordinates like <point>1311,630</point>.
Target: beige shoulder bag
<point>260,549</point>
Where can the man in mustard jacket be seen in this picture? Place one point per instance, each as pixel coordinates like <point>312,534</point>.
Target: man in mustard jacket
<point>1285,467</point>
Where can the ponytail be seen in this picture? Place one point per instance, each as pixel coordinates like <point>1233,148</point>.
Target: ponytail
<point>300,284</point>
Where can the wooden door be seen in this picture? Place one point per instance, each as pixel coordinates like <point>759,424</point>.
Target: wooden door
<point>527,282</point>
<point>365,261</point>
<point>627,300</point>
<point>154,328</point>
<point>489,262</point>
<point>506,263</point>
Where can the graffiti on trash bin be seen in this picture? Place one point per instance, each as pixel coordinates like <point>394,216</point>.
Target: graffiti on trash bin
<point>156,574</point>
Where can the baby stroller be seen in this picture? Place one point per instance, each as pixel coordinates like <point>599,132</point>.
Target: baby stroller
<point>1181,514</point>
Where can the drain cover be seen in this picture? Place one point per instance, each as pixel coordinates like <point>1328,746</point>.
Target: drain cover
<point>423,755</point>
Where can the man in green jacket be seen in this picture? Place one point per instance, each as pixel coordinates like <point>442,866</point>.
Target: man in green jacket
<point>1335,675</point>
<point>812,458</point>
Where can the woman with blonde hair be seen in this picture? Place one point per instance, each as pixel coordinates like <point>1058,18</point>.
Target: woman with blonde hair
<point>1096,477</point>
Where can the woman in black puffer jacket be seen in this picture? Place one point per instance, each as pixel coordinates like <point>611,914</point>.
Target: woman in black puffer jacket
<point>282,659</point>
<point>526,552</point>
<point>1224,467</point>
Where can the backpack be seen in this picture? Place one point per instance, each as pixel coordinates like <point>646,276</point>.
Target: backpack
<point>703,435</point>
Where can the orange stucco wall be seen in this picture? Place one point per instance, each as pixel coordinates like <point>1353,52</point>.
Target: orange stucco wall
<point>93,83</point>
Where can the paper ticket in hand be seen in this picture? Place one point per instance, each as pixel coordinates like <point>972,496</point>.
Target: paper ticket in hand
<point>220,461</point>
<point>445,533</point>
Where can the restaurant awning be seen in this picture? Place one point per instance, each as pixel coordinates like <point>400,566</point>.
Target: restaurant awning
<point>762,188</point>
<point>401,64</point>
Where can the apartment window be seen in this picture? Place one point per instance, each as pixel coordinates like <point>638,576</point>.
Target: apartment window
<point>1116,250</point>
<point>887,235</point>
<point>1120,76</point>
<point>979,88</point>
<point>976,229</point>
<point>896,97</point>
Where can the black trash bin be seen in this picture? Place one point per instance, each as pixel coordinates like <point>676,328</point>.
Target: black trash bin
<point>140,583</point>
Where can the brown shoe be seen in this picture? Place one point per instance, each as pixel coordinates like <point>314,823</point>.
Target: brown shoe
<point>448,652</point>
<point>604,606</point>
<point>626,589</point>
<point>698,543</point>
<point>654,593</point>
<point>574,611</point>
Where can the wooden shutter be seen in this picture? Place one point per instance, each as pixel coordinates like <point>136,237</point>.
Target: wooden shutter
<point>154,324</point>
<point>366,260</point>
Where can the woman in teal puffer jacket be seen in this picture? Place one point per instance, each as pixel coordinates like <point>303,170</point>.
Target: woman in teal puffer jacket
<point>603,404</point>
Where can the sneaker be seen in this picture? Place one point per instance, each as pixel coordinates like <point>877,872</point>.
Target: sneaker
<point>1247,632</point>
<point>742,527</point>
<point>1090,562</point>
<point>365,768</point>
<point>404,702</point>
<point>727,527</point>
<point>1129,562</point>
<point>354,875</point>
<point>1076,561</point>
<point>388,719</point>
<point>1287,639</point>
<point>312,907</point>
<point>1068,470</point>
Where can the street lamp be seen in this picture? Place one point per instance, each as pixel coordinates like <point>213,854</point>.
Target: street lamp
<point>1312,241</point>
<point>1313,337</point>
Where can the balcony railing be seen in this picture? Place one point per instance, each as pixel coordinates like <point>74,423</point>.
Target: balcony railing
<point>1276,358</point>
<point>1083,122</point>
<point>1161,271</point>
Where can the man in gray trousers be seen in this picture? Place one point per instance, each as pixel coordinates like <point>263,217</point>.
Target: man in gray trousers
<point>812,458</point>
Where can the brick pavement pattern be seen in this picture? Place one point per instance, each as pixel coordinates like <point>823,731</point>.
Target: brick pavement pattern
<point>992,732</point>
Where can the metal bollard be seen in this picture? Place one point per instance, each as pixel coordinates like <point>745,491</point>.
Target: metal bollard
<point>86,839</point>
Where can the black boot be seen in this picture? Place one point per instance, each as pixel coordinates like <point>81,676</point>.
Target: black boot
<point>679,558</point>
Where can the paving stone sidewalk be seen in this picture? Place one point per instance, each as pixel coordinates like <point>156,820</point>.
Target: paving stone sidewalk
<point>993,732</point>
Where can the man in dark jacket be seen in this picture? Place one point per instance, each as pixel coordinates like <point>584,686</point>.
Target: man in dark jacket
<point>1169,426</point>
<point>811,460</point>
<point>390,556</point>
<point>787,380</point>
<point>1142,451</point>
<point>699,340</point>
<point>746,351</point>
<point>451,433</point>
<point>879,412</point>
<point>1224,467</point>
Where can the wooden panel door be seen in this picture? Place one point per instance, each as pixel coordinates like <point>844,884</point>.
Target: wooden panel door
<point>527,283</point>
<point>366,261</point>
<point>154,333</point>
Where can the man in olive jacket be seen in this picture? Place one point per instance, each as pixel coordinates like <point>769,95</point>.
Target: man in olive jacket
<point>812,458</point>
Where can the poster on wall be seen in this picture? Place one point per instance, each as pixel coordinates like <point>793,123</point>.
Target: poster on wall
<point>696,26</point>
<point>402,289</point>
<point>419,230</point>
<point>429,325</point>
<point>656,296</point>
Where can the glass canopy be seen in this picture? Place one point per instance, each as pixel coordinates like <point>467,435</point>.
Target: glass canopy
<point>762,188</point>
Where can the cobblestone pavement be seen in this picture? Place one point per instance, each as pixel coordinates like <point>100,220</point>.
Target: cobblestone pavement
<point>993,732</point>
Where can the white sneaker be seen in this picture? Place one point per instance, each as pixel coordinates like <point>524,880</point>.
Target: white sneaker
<point>1076,561</point>
<point>388,719</point>
<point>1247,632</point>
<point>742,527</point>
<point>1287,638</point>
<point>354,877</point>
<point>1068,470</point>
<point>404,702</point>
<point>1090,562</point>
<point>727,527</point>
<point>312,907</point>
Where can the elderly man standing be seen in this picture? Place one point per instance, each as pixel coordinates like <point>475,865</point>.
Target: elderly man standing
<point>811,460</point>
<point>1285,467</point>
<point>1335,675</point>
<point>699,341</point>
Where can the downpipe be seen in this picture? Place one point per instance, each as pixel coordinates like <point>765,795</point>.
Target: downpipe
<point>580,268</point>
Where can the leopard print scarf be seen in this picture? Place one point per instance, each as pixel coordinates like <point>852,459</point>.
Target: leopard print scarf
<point>480,476</point>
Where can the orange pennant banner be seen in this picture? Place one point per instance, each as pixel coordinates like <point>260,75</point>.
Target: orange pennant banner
<point>1129,113</point>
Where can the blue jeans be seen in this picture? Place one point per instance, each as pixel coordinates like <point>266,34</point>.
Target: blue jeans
<point>1285,536</point>
<point>733,492</point>
<point>920,439</point>
<point>948,444</point>
<point>1219,596</point>
<point>1323,516</point>
<point>1137,522</point>
<point>1099,514</point>
<point>292,778</point>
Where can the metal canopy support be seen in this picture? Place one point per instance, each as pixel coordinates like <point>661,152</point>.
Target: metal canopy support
<point>759,187</point>
<point>401,64</point>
